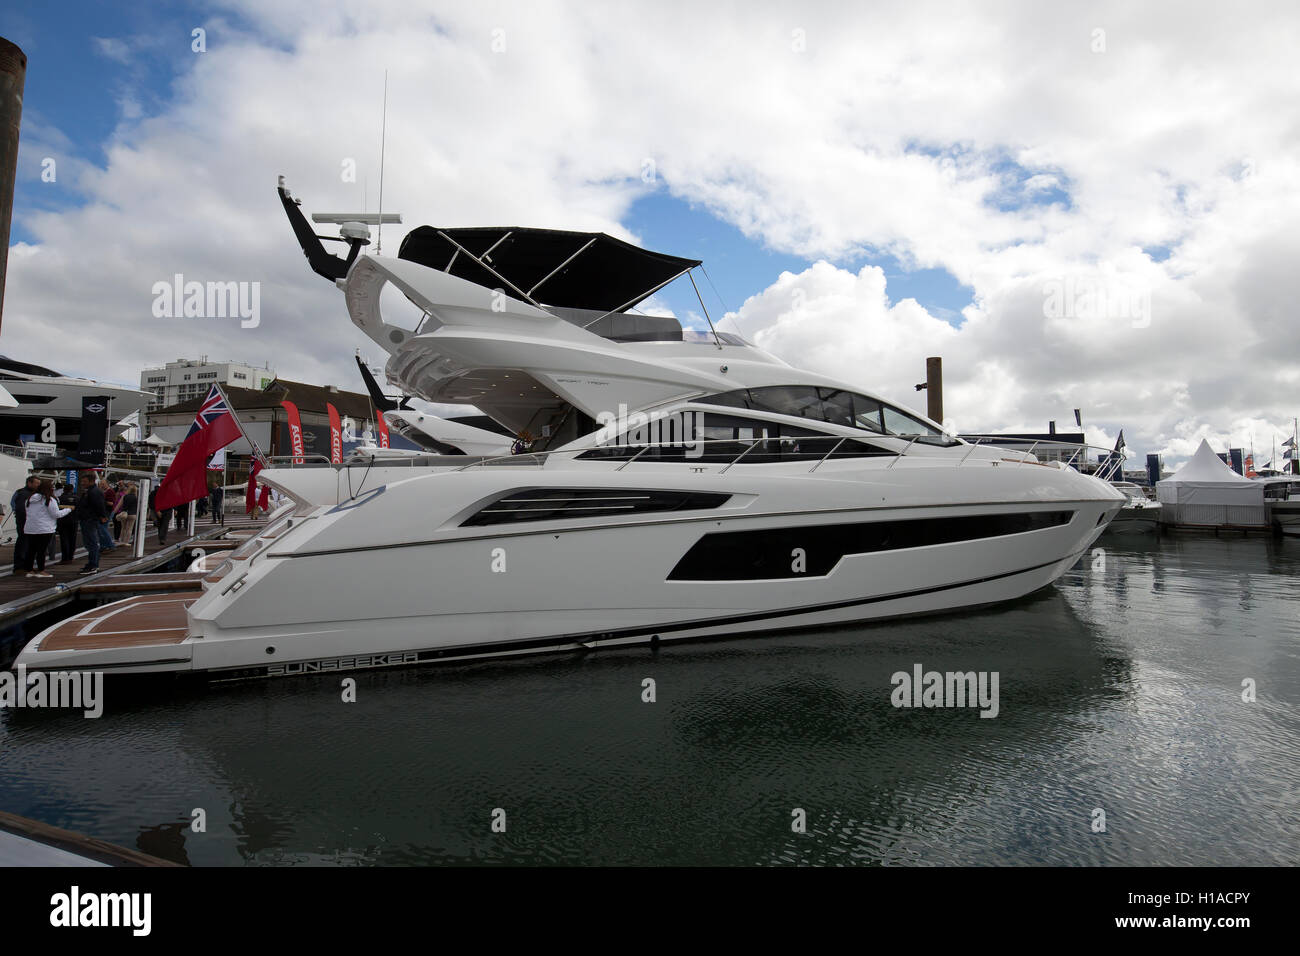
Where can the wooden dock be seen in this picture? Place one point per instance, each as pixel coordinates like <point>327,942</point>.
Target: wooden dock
<point>146,582</point>
<point>21,596</point>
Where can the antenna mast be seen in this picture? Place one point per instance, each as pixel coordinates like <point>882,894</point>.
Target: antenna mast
<point>383,139</point>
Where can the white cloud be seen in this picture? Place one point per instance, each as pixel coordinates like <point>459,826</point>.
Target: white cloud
<point>922,131</point>
<point>112,48</point>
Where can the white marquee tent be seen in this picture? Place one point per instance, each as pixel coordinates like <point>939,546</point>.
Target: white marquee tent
<point>1205,491</point>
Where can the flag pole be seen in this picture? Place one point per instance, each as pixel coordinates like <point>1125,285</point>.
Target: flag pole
<point>243,434</point>
<point>252,444</point>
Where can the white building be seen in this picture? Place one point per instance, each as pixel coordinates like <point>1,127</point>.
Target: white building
<point>184,379</point>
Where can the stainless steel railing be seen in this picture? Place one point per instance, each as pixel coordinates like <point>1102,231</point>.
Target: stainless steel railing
<point>728,452</point>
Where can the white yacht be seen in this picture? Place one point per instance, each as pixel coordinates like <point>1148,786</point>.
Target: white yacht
<point>44,397</point>
<point>1139,513</point>
<point>666,485</point>
<point>1282,497</point>
<point>446,436</point>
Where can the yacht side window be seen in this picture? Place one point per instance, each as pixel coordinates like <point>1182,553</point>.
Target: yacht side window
<point>832,405</point>
<point>866,414</point>
<point>905,426</point>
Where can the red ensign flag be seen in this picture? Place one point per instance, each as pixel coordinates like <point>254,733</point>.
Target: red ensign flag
<point>214,428</point>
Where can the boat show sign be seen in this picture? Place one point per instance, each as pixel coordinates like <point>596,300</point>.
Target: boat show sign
<point>94,429</point>
<point>336,435</point>
<point>295,431</point>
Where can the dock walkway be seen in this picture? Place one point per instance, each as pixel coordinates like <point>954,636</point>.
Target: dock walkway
<point>21,596</point>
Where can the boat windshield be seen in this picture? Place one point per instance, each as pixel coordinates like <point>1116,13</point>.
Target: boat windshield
<point>836,406</point>
<point>704,337</point>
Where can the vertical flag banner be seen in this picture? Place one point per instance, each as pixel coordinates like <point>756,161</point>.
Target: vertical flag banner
<point>94,429</point>
<point>336,435</point>
<point>383,429</point>
<point>295,431</point>
<point>251,498</point>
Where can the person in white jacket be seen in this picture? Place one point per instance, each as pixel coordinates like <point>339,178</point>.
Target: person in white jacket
<point>43,515</point>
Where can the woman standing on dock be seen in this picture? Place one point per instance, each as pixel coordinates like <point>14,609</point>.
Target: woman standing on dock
<point>43,516</point>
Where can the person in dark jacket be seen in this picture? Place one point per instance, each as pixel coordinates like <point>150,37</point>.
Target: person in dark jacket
<point>217,496</point>
<point>18,505</point>
<point>161,519</point>
<point>106,542</point>
<point>91,514</point>
<point>128,504</point>
<point>68,524</point>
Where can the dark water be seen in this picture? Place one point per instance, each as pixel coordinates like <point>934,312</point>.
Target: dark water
<point>1119,689</point>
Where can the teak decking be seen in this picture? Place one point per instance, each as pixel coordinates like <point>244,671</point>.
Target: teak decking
<point>133,622</point>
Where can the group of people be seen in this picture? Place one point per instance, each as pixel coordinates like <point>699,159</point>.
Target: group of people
<point>105,515</point>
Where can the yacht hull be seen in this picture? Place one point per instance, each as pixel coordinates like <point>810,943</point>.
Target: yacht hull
<point>1285,517</point>
<point>1144,519</point>
<point>338,591</point>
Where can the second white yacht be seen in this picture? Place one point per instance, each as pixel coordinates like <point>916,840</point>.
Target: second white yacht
<point>47,404</point>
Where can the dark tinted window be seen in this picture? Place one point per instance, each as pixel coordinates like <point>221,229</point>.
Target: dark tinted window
<point>12,365</point>
<point>714,438</point>
<point>832,405</point>
<point>766,553</point>
<point>547,504</point>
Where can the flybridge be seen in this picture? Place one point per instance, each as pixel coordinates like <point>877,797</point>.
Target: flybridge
<point>589,279</point>
<point>572,270</point>
<point>537,328</point>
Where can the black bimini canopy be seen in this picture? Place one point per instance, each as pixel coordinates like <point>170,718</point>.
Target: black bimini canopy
<point>575,270</point>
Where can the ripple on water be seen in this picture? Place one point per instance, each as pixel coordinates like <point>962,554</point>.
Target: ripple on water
<point>1120,690</point>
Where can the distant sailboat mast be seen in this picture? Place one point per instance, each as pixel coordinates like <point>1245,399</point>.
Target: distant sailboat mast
<point>383,140</point>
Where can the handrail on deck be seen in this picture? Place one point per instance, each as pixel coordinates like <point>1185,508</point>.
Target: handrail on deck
<point>1112,463</point>
<point>1107,469</point>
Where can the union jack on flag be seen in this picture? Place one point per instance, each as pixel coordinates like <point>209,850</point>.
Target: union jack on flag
<point>213,407</point>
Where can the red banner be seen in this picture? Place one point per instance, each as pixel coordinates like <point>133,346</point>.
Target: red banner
<point>250,495</point>
<point>336,435</point>
<point>295,431</point>
<point>383,430</point>
<point>251,498</point>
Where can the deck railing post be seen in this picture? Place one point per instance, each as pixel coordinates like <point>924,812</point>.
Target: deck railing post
<point>902,453</point>
<point>141,513</point>
<point>834,448</point>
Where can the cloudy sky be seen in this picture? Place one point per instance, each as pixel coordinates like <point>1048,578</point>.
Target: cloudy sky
<point>1077,208</point>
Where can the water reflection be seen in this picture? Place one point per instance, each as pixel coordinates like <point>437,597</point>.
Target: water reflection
<point>1119,689</point>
